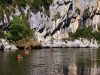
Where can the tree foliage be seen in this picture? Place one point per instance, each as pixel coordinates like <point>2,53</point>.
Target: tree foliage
<point>1,34</point>
<point>86,14</point>
<point>38,3</point>
<point>8,6</point>
<point>18,29</point>
<point>85,32</point>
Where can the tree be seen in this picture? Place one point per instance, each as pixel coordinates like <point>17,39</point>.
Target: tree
<point>1,34</point>
<point>18,29</point>
<point>85,32</point>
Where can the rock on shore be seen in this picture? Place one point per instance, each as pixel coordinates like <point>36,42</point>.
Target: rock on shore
<point>77,43</point>
<point>7,45</point>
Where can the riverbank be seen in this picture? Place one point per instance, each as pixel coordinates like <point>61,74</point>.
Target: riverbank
<point>77,43</point>
<point>21,44</point>
<point>30,44</point>
<point>6,45</point>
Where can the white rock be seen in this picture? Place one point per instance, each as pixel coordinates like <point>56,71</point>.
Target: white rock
<point>76,43</point>
<point>8,46</point>
<point>13,47</point>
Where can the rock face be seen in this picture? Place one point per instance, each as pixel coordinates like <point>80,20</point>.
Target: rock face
<point>64,16</point>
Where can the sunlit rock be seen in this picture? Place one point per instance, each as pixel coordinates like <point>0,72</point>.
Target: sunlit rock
<point>75,24</point>
<point>8,46</point>
<point>17,12</point>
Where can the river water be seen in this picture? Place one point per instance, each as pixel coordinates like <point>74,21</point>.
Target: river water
<point>61,61</point>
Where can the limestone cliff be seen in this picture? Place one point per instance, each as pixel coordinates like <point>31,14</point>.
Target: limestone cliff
<point>64,16</point>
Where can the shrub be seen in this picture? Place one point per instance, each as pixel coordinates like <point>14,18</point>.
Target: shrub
<point>86,14</point>
<point>38,3</point>
<point>97,36</point>
<point>18,29</point>
<point>1,34</point>
<point>8,35</point>
<point>85,32</point>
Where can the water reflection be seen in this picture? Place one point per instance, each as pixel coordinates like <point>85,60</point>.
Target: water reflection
<point>66,61</point>
<point>83,62</point>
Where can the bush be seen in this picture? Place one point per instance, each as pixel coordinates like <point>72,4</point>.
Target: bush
<point>97,36</point>
<point>38,3</point>
<point>86,14</point>
<point>8,35</point>
<point>8,6</point>
<point>18,29</point>
<point>85,32</point>
<point>1,34</point>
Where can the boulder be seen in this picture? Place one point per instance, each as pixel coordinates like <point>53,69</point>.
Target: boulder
<point>8,46</point>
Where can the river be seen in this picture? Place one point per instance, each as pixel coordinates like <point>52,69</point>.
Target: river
<point>56,61</point>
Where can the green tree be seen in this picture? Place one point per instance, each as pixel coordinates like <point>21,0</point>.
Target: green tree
<point>18,29</point>
<point>85,32</point>
<point>1,34</point>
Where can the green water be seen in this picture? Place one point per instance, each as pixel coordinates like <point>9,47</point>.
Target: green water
<point>62,61</point>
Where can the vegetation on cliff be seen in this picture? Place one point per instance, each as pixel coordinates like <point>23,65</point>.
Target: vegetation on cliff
<point>8,6</point>
<point>20,33</point>
<point>85,32</point>
<point>1,34</point>
<point>18,29</point>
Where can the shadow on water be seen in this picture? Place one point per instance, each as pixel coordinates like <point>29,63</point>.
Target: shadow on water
<point>64,61</point>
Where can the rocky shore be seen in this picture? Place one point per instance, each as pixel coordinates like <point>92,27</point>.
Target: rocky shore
<point>21,44</point>
<point>7,45</point>
<point>77,43</point>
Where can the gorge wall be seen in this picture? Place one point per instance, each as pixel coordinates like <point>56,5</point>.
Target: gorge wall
<point>63,16</point>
